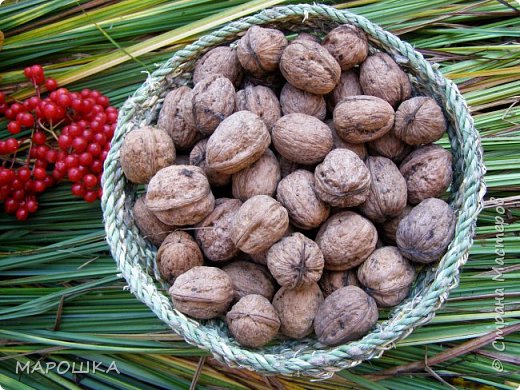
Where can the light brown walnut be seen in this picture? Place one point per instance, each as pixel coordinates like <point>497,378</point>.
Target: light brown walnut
<point>334,280</point>
<point>348,85</point>
<point>389,146</point>
<point>221,60</point>
<point>261,101</point>
<point>250,278</point>
<point>178,253</point>
<point>348,45</point>
<point>294,100</point>
<point>198,158</point>
<point>150,227</point>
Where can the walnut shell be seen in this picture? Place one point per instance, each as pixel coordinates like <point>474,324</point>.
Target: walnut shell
<point>144,152</point>
<point>260,178</point>
<point>198,158</point>
<point>334,280</point>
<point>250,278</point>
<point>348,45</point>
<point>360,119</point>
<point>389,146</point>
<point>287,167</point>
<point>302,138</point>
<point>238,142</point>
<point>176,118</point>
<point>307,37</point>
<point>213,101</point>
<point>297,308</point>
<point>346,227</point>
<point>338,143</point>
<point>252,321</point>
<point>274,81</point>
<point>259,223</point>
<point>342,179</point>
<point>150,227</point>
<point>387,276</point>
<point>180,195</point>
<point>213,233</point>
<point>261,257</point>
<point>381,76</point>
<point>419,120</point>
<point>261,101</point>
<point>387,196</point>
<point>294,100</point>
<point>346,314</point>
<point>390,225</point>
<point>428,172</point>
<point>296,192</point>
<point>309,66</point>
<point>202,292</point>
<point>348,85</point>
<point>424,234</point>
<point>178,253</point>
<point>221,60</point>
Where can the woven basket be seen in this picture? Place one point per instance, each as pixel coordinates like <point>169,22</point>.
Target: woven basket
<point>135,257</point>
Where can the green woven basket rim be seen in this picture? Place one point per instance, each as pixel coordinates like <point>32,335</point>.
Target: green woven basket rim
<point>135,257</point>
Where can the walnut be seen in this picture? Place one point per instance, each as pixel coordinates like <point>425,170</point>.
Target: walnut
<point>202,292</point>
<point>424,234</point>
<point>296,308</point>
<point>261,257</point>
<point>389,146</point>
<point>150,227</point>
<point>294,100</point>
<point>295,261</point>
<point>348,85</point>
<point>212,233</point>
<point>221,60</point>
<point>307,37</point>
<point>419,120</point>
<point>238,142</point>
<point>198,158</point>
<point>273,81</point>
<point>213,101</point>
<point>180,195</point>
<point>428,172</point>
<point>144,152</point>
<point>346,314</point>
<point>342,179</point>
<point>253,321</point>
<point>334,280</point>
<point>259,223</point>
<point>387,197</point>
<point>176,118</point>
<point>348,45</point>
<point>381,76</point>
<point>338,143</point>
<point>259,50</point>
<point>387,276</point>
<point>360,119</point>
<point>346,227</point>
<point>250,278</point>
<point>302,138</point>
<point>261,101</point>
<point>287,167</point>
<point>390,226</point>
<point>296,192</point>
<point>260,178</point>
<point>178,254</point>
<point>309,66</point>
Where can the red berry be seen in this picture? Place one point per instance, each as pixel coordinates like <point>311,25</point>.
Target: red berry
<point>19,195</point>
<point>75,174</point>
<point>78,189</point>
<point>90,196</point>
<point>39,173</point>
<point>5,191</point>
<point>39,138</point>
<point>85,159</point>
<point>71,161</point>
<point>26,119</point>
<point>17,108</point>
<point>96,166</point>
<point>75,130</point>
<point>50,112</point>
<point>24,174</point>
<point>27,72</point>
<point>22,213</point>
<point>90,180</point>
<point>100,139</point>
<point>86,106</point>
<point>14,127</point>
<point>6,176</point>
<point>111,117</point>
<point>103,101</point>
<point>32,205</point>
<point>100,192</point>
<point>16,184</point>
<point>11,145</point>
<point>64,100</point>
<point>94,149</point>
<point>83,124</point>
<point>40,153</point>
<point>51,156</point>
<point>60,167</point>
<point>36,70</point>
<point>48,181</point>
<point>3,107</point>
<point>79,144</point>
<point>64,141</point>
<point>39,186</point>
<point>95,94</point>
<point>41,163</point>
<point>11,205</point>
<point>2,97</point>
<point>76,104</point>
<point>51,84</point>
<point>85,92</point>
<point>108,131</point>
<point>103,155</point>
<point>33,102</point>
<point>96,126</point>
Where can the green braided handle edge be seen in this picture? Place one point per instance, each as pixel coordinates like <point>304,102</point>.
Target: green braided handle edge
<point>135,256</point>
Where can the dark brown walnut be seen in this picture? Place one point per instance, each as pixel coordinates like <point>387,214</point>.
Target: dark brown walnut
<point>387,196</point>
<point>238,142</point>
<point>381,76</point>
<point>261,101</point>
<point>386,276</point>
<point>348,85</point>
<point>307,37</point>
<point>144,152</point>
<point>250,278</point>
<point>295,261</point>
<point>296,192</point>
<point>360,119</point>
<point>180,195</point>
<point>309,66</point>
<point>213,233</point>
<point>338,143</point>
<point>341,228</point>
<point>419,120</point>
<point>346,314</point>
<point>348,45</point>
<point>261,257</point>
<point>296,308</point>
<point>176,118</point>
<point>390,226</point>
<point>178,253</point>
<point>150,227</point>
<point>334,280</point>
<point>342,179</point>
<point>198,158</point>
<point>260,49</point>
<point>259,223</point>
<point>389,146</point>
<point>294,100</point>
<point>221,60</point>
<point>424,234</point>
<point>213,101</point>
<point>252,321</point>
<point>428,173</point>
<point>260,178</point>
<point>202,292</point>
<point>302,138</point>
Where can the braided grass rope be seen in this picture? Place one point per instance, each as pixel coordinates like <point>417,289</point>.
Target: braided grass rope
<point>135,257</point>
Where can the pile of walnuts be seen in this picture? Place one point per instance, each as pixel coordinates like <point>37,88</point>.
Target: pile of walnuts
<point>294,189</point>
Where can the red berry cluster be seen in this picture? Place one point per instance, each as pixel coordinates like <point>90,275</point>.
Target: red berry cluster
<point>70,134</point>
